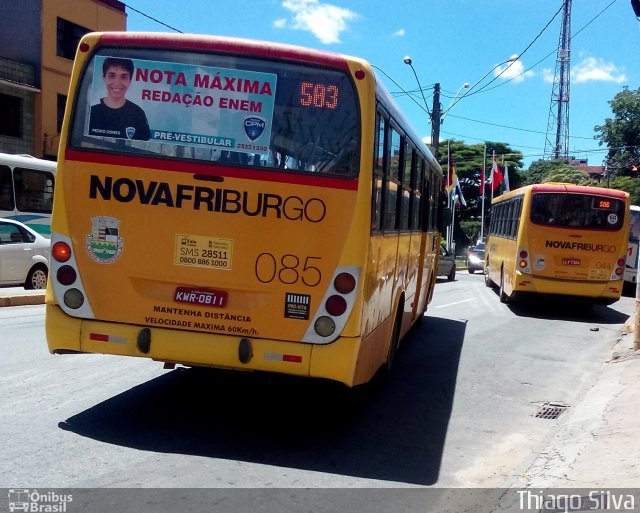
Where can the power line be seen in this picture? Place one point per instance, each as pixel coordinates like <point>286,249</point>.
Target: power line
<point>152,18</point>
<point>549,54</point>
<point>514,128</point>
<point>519,55</point>
<point>403,90</point>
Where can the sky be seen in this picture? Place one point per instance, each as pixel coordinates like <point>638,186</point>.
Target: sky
<point>451,43</point>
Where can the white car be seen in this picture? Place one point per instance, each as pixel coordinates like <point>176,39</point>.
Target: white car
<point>24,256</point>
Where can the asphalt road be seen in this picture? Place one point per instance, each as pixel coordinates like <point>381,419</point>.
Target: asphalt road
<point>459,411</point>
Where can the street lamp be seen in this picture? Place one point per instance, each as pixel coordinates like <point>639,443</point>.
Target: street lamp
<point>446,111</point>
<point>433,116</point>
<point>510,60</point>
<point>409,62</point>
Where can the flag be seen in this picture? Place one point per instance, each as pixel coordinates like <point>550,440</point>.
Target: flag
<point>461,200</point>
<point>496,176</point>
<point>506,178</point>
<point>451,173</point>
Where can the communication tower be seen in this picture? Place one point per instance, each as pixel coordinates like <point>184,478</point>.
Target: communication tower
<point>557,142</point>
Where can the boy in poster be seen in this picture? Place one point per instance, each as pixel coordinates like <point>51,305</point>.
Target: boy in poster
<point>115,116</point>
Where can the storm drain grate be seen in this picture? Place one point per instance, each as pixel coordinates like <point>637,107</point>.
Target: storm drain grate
<point>550,411</point>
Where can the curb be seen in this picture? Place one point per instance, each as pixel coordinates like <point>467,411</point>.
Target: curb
<point>29,299</point>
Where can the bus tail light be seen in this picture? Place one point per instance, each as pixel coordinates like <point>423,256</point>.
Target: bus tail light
<point>325,326</point>
<point>523,261</point>
<point>618,270</point>
<point>67,285</point>
<point>336,305</point>
<point>345,283</point>
<point>66,275</point>
<point>61,251</point>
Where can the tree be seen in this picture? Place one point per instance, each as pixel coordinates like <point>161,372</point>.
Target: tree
<point>541,168</point>
<point>469,161</point>
<point>628,184</point>
<point>569,174</point>
<point>622,133</point>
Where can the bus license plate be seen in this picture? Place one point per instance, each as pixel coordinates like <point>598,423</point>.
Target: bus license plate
<point>201,297</point>
<point>202,251</point>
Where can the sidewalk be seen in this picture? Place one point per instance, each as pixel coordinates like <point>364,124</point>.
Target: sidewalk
<point>18,296</point>
<point>598,444</point>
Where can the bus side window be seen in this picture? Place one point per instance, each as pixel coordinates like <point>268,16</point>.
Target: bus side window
<point>6,189</point>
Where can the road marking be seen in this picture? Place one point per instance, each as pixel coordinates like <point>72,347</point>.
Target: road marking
<point>456,302</point>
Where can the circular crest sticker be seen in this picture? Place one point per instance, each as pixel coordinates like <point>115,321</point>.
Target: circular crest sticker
<point>104,244</point>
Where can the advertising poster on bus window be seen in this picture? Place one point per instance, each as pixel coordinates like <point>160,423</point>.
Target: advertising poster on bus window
<point>183,104</point>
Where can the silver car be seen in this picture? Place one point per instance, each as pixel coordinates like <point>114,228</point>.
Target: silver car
<point>24,255</point>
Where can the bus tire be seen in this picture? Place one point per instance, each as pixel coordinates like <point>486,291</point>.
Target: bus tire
<point>487,278</point>
<point>37,278</point>
<point>503,296</point>
<point>394,342</point>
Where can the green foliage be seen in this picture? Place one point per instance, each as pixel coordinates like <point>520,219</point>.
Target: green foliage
<point>628,184</point>
<point>469,161</point>
<point>471,229</point>
<point>543,171</point>
<point>622,132</point>
<point>541,168</point>
<point>569,174</point>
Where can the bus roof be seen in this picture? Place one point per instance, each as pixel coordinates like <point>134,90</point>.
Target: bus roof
<point>563,187</point>
<point>225,44</point>
<point>24,160</point>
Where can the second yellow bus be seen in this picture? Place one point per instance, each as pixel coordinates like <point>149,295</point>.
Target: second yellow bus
<point>558,239</point>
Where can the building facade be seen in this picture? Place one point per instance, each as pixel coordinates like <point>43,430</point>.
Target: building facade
<point>38,40</point>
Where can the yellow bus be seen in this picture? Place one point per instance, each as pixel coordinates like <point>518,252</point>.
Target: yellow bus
<point>264,207</point>
<point>558,239</point>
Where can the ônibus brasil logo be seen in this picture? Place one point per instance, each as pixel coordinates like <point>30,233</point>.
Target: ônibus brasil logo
<point>38,502</point>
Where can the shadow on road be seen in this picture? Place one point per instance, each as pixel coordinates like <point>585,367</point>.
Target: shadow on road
<point>566,310</point>
<point>390,430</point>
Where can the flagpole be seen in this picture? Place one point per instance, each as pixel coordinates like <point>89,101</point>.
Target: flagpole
<point>449,201</point>
<point>482,186</point>
<point>502,188</point>
<point>492,177</point>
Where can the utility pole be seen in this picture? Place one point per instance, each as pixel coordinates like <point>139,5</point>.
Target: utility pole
<point>436,120</point>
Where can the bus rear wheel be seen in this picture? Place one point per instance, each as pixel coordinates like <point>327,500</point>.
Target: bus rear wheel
<point>503,296</point>
<point>487,278</point>
<point>394,342</point>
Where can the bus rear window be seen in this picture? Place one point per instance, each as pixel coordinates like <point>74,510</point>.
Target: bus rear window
<point>223,109</point>
<point>567,210</point>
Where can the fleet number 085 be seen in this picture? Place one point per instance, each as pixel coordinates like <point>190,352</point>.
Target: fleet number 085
<point>287,269</point>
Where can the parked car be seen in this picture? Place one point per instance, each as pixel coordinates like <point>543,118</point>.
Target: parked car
<point>475,258</point>
<point>447,264</point>
<point>24,255</point>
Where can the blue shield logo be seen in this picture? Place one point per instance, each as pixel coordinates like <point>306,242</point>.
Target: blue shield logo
<point>254,127</point>
<point>130,131</point>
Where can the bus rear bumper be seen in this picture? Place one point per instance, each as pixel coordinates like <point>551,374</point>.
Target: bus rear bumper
<point>602,293</point>
<point>66,334</point>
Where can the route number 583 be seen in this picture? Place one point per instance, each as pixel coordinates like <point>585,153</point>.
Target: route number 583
<point>287,269</point>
